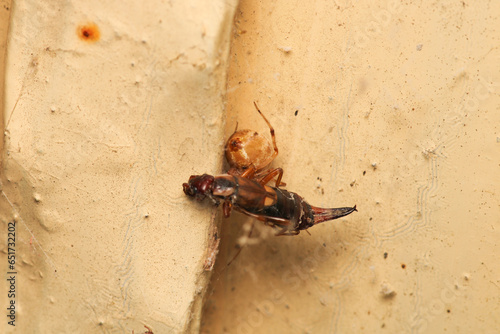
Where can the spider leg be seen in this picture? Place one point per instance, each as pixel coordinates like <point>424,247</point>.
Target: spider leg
<point>268,176</point>
<point>275,153</point>
<point>249,172</point>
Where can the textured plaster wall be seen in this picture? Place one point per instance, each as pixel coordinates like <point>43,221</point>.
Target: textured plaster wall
<point>390,105</point>
<point>108,108</point>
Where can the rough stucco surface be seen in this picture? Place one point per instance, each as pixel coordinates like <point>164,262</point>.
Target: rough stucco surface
<point>99,136</point>
<point>391,106</point>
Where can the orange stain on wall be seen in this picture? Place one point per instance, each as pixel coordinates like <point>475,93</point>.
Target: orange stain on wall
<point>88,32</point>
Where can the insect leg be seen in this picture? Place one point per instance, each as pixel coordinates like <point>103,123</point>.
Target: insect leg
<point>226,208</point>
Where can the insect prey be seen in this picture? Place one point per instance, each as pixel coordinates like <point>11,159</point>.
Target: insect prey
<point>281,209</point>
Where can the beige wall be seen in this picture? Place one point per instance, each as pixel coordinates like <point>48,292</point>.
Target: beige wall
<point>393,107</point>
<point>398,112</point>
<point>99,136</point>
